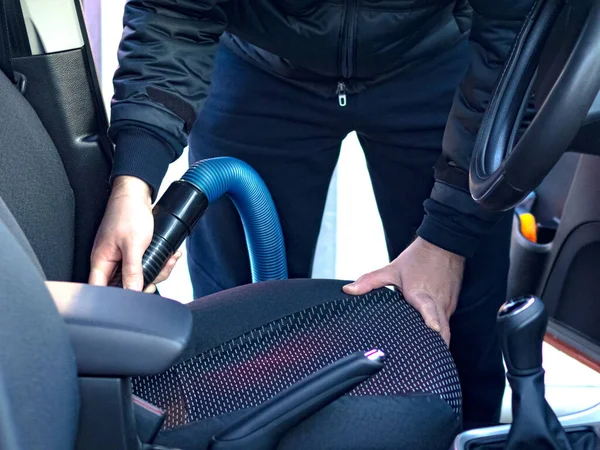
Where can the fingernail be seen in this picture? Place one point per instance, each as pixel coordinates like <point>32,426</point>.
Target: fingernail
<point>436,327</point>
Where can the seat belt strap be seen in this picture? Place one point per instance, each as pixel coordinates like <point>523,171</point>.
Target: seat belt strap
<point>12,25</point>
<point>5,47</point>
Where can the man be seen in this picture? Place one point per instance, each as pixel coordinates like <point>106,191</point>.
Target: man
<point>290,79</point>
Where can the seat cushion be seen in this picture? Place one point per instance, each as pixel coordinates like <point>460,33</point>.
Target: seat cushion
<point>252,342</point>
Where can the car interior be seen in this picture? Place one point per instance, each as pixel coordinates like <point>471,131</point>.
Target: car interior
<point>283,364</point>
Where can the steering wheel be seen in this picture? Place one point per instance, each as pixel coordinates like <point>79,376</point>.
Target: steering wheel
<point>502,172</point>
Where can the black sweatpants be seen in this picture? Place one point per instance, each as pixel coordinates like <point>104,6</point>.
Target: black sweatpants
<point>292,137</point>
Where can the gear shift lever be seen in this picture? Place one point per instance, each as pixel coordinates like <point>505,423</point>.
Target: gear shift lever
<point>522,324</point>
<point>521,327</point>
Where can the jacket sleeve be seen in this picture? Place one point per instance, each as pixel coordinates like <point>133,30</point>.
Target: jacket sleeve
<point>453,220</point>
<point>166,56</point>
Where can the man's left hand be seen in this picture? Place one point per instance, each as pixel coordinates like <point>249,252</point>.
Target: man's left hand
<point>429,277</point>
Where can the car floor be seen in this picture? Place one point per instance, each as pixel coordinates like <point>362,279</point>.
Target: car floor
<point>570,385</point>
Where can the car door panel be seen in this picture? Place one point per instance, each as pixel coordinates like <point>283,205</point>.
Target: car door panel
<point>63,89</point>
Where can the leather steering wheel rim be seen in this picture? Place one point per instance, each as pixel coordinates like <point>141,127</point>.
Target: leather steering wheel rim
<point>502,174</point>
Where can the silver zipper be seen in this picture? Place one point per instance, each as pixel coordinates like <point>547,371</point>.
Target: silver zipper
<point>341,93</point>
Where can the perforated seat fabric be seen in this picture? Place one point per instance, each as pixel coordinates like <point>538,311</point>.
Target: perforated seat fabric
<point>254,341</point>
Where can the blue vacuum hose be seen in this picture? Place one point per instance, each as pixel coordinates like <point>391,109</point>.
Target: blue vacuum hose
<point>186,200</point>
<point>229,176</point>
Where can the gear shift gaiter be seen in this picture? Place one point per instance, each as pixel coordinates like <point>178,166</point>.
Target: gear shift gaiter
<point>521,326</point>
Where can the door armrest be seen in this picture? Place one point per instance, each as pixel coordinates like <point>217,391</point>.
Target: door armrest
<point>116,332</point>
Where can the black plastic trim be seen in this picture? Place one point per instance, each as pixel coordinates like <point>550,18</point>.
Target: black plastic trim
<point>574,339</point>
<point>106,417</point>
<point>496,442</point>
<point>580,237</point>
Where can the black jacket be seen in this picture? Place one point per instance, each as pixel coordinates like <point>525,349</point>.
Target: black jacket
<point>168,47</point>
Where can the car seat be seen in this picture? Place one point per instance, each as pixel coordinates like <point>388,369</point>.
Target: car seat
<point>245,345</point>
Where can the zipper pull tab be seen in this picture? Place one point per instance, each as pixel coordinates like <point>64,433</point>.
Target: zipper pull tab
<point>341,93</point>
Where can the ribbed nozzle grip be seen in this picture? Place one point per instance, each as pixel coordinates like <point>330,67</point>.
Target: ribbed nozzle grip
<point>156,256</point>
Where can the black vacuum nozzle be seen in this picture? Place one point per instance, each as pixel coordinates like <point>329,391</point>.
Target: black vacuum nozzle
<point>522,325</point>
<point>175,215</point>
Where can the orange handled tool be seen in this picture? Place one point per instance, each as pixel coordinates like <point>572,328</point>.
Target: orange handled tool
<point>528,226</point>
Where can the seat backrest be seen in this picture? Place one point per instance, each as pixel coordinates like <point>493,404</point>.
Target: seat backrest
<point>34,185</point>
<point>38,374</point>
<point>55,155</point>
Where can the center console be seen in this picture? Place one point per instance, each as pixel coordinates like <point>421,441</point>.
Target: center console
<point>521,326</point>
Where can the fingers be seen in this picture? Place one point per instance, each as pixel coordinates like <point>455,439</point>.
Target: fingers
<point>101,271</point>
<point>124,234</point>
<point>444,325</point>
<point>133,277</point>
<point>446,333</point>
<point>166,272</point>
<point>373,280</point>
<point>429,310</point>
<point>150,289</point>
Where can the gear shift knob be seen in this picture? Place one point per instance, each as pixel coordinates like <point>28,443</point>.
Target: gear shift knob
<point>522,325</point>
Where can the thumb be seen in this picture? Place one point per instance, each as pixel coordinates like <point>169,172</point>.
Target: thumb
<point>373,280</point>
<point>133,277</point>
<point>428,309</point>
<point>445,332</point>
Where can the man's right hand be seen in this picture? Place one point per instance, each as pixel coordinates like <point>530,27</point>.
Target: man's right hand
<point>124,235</point>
